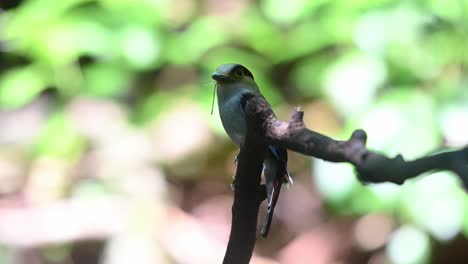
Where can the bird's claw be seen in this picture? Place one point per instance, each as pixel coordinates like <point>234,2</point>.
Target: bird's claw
<point>233,183</point>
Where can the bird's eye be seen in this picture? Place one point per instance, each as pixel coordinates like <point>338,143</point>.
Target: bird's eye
<point>239,73</point>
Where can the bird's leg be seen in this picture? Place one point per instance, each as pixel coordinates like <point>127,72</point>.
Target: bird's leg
<point>233,183</point>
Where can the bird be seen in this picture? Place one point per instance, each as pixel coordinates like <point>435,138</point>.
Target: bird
<point>234,85</point>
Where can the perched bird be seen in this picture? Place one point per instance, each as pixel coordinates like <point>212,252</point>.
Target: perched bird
<point>235,83</point>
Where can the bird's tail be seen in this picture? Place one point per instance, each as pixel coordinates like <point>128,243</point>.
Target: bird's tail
<point>276,174</point>
<point>271,208</point>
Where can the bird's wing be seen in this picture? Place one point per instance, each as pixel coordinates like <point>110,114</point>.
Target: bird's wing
<point>282,155</point>
<point>243,99</point>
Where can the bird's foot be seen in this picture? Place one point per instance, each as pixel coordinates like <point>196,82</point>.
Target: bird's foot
<point>233,183</point>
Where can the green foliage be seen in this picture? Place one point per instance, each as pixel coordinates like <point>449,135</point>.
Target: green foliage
<point>18,86</point>
<point>59,139</point>
<point>124,38</point>
<point>105,80</point>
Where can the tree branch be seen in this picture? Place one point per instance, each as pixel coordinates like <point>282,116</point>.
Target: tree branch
<point>248,195</point>
<point>371,166</point>
<point>264,128</point>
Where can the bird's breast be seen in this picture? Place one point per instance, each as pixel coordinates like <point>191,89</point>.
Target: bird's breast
<point>233,119</point>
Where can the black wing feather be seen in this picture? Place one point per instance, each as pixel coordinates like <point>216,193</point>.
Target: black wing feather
<point>244,98</point>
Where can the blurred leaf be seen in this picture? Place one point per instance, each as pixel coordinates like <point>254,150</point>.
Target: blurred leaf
<point>188,46</point>
<point>262,35</point>
<point>143,11</point>
<point>364,200</point>
<point>19,86</point>
<point>435,202</point>
<point>51,40</point>
<point>353,6</point>
<point>454,11</point>
<point>352,82</point>
<point>140,47</point>
<point>409,245</point>
<point>105,79</point>
<point>454,124</point>
<point>402,121</point>
<point>286,12</point>
<point>336,182</point>
<point>153,106</point>
<point>59,139</point>
<point>307,76</point>
<point>308,37</point>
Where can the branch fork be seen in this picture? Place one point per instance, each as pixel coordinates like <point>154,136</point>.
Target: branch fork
<point>263,128</point>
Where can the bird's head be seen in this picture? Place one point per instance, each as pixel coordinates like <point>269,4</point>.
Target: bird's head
<point>229,73</point>
<point>233,80</point>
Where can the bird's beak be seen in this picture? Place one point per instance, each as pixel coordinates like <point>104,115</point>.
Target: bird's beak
<point>220,77</point>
